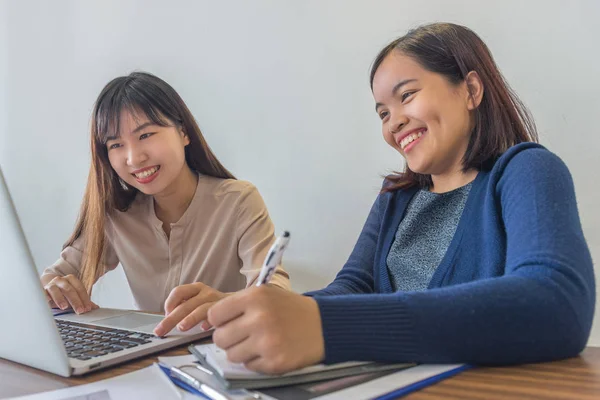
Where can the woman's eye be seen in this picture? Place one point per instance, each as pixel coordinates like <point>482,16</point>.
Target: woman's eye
<point>114,146</point>
<point>406,95</point>
<point>383,114</point>
<point>146,135</point>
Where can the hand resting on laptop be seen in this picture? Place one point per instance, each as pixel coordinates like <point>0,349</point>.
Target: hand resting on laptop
<point>67,291</point>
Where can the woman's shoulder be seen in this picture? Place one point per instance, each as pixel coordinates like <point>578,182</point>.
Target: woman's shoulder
<point>231,195</point>
<point>529,160</point>
<point>529,168</point>
<point>220,187</point>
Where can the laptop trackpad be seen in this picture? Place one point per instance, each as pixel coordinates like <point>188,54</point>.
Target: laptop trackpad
<point>132,321</point>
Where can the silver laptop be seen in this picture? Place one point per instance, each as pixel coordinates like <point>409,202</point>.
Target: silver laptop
<point>66,344</point>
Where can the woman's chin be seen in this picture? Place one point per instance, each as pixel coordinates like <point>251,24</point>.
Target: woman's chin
<point>418,168</point>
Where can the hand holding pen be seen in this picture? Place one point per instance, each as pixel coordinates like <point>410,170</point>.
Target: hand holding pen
<point>267,329</point>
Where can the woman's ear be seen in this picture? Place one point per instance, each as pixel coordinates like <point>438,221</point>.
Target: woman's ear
<point>475,90</point>
<point>186,138</point>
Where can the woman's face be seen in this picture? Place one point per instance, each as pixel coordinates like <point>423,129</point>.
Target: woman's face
<point>147,156</point>
<point>424,116</point>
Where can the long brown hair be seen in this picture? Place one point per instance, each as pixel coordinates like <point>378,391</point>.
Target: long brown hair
<point>501,120</point>
<point>140,93</point>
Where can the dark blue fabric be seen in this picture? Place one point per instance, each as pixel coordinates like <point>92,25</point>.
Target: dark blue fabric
<point>516,284</point>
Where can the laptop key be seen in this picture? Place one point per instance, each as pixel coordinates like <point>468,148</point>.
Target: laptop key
<point>114,349</point>
<point>126,345</point>
<point>95,353</point>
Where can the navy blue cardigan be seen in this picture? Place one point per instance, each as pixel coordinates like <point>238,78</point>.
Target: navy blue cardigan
<point>516,284</point>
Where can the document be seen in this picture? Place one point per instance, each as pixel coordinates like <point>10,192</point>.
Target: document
<point>102,395</point>
<point>149,383</point>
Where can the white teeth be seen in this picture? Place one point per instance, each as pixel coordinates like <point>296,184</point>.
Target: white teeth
<point>147,173</point>
<point>409,139</point>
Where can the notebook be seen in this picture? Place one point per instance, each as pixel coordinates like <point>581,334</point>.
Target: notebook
<point>235,376</point>
<point>383,385</point>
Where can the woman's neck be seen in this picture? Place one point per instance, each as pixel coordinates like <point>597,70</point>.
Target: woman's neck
<point>171,204</point>
<point>447,182</point>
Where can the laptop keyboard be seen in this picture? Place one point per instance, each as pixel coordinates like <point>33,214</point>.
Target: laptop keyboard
<point>85,341</point>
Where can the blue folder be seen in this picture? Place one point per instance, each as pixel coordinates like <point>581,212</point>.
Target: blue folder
<point>421,384</point>
<point>403,391</point>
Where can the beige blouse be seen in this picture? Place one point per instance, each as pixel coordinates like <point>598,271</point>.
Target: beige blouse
<point>221,240</point>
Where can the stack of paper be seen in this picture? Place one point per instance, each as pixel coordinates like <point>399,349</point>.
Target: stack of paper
<point>234,376</point>
<point>384,384</point>
<point>231,371</point>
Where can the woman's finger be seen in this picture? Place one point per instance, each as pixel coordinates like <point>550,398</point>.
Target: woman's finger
<point>70,294</point>
<point>181,294</point>
<point>233,333</point>
<point>195,317</point>
<point>57,296</point>
<point>242,352</point>
<point>178,314</point>
<point>81,292</point>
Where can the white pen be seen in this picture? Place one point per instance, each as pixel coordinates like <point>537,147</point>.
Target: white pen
<point>273,258</point>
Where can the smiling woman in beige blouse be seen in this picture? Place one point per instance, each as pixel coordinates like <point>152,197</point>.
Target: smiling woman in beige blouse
<point>158,202</point>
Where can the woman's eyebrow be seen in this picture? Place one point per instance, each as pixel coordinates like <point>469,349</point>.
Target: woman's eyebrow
<point>139,128</point>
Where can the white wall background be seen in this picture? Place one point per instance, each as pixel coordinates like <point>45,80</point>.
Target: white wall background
<point>280,89</point>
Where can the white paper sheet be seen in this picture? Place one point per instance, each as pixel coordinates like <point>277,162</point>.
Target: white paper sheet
<point>149,383</point>
<point>218,359</point>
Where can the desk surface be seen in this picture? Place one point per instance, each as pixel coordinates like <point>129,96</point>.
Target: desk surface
<point>577,377</point>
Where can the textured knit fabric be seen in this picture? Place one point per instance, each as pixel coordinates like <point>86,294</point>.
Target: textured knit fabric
<point>423,237</point>
<point>516,285</point>
<point>221,240</point>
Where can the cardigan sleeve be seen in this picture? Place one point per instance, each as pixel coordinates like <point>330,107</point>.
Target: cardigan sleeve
<point>540,309</point>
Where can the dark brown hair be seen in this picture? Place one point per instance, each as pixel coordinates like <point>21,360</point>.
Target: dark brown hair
<point>139,93</point>
<point>501,120</point>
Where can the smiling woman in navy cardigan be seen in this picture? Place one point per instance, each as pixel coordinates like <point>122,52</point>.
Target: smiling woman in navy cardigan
<point>473,254</point>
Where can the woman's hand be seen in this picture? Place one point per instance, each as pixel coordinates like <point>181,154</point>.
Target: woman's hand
<point>67,291</point>
<point>187,306</point>
<point>268,329</point>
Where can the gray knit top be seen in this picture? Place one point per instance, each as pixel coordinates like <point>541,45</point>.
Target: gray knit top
<point>423,237</point>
